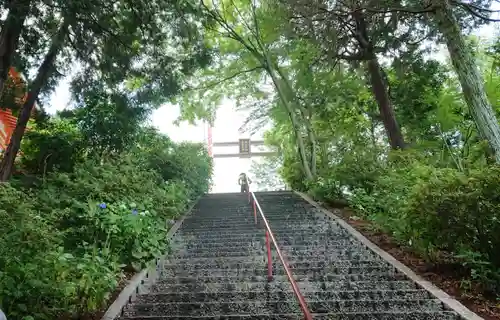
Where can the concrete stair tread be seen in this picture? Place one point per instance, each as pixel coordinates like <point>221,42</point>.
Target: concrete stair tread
<point>282,243</point>
<point>232,263</point>
<point>300,255</point>
<point>181,272</point>
<point>274,285</point>
<point>283,278</point>
<point>218,269</point>
<point>225,296</point>
<point>261,245</point>
<point>445,315</point>
<point>235,256</point>
<point>288,306</point>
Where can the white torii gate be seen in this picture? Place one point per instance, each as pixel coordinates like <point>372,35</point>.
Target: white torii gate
<point>245,147</point>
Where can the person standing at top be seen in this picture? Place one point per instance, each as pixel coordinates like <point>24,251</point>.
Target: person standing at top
<point>244,182</point>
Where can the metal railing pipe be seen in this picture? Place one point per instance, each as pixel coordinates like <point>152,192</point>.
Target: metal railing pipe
<point>270,238</point>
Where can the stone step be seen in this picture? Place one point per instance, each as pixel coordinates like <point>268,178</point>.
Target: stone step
<point>327,252</point>
<point>222,218</point>
<point>214,262</point>
<point>281,243</point>
<point>251,248</point>
<point>227,296</point>
<point>216,254</point>
<point>256,242</point>
<point>323,248</point>
<point>417,315</point>
<point>229,217</point>
<point>233,264</point>
<point>216,287</point>
<point>282,278</point>
<point>297,233</point>
<point>211,309</point>
<point>258,234</point>
<point>292,255</point>
<point>235,238</point>
<point>358,285</point>
<point>298,242</point>
<point>223,226</point>
<point>182,272</point>
<point>342,234</point>
<point>220,233</point>
<point>242,210</point>
<point>201,247</point>
<point>331,256</point>
<point>259,247</point>
<point>288,306</point>
<point>306,228</point>
<point>340,285</point>
<point>275,227</point>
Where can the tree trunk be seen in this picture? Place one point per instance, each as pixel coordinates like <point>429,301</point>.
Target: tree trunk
<point>293,119</point>
<point>44,72</point>
<point>9,37</point>
<point>307,121</point>
<point>296,128</point>
<point>312,140</point>
<point>378,84</point>
<point>469,76</point>
<point>379,89</point>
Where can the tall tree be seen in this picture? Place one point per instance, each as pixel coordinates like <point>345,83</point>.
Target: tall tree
<point>44,72</point>
<point>127,45</point>
<point>347,32</point>
<point>9,36</point>
<point>246,43</point>
<point>448,18</point>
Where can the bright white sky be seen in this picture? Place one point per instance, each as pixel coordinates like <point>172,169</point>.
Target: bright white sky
<point>228,121</point>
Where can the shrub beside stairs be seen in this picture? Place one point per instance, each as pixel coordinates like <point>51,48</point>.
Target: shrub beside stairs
<point>218,269</point>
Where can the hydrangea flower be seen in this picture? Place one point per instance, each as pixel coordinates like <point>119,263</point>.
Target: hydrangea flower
<point>134,212</point>
<point>102,206</point>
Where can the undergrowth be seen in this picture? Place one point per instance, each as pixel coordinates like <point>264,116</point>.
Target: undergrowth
<point>446,215</point>
<point>69,233</point>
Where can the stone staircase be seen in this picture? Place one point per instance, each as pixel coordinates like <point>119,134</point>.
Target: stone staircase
<point>218,270</point>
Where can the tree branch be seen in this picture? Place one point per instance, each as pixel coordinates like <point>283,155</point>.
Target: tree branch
<point>227,78</point>
<point>472,10</point>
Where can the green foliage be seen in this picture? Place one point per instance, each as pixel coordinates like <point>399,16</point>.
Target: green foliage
<point>459,213</point>
<point>325,188</point>
<point>358,168</point>
<point>439,196</point>
<point>62,254</point>
<point>416,86</point>
<point>55,145</point>
<point>265,174</point>
<point>440,212</point>
<point>77,230</point>
<point>97,187</point>
<point>108,122</point>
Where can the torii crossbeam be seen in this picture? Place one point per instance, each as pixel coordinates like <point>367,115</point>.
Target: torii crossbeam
<point>245,149</point>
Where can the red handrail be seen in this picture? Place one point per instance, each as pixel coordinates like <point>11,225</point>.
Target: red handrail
<point>270,236</point>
